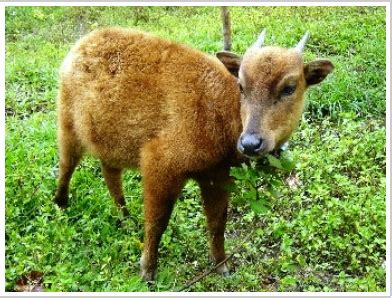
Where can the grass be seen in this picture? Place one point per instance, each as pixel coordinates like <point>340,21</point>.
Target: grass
<point>325,233</point>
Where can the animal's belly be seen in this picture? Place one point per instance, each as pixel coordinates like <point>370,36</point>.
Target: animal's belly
<point>116,141</point>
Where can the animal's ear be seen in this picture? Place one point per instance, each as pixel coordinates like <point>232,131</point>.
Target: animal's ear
<point>231,61</point>
<point>317,70</point>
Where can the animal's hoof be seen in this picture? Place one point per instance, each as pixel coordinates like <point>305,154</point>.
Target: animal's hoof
<point>147,276</point>
<point>61,202</point>
<point>223,270</point>
<point>125,212</point>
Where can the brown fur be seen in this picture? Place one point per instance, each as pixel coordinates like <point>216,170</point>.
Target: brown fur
<point>134,100</point>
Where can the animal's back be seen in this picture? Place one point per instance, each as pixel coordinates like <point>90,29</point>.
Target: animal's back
<point>122,88</point>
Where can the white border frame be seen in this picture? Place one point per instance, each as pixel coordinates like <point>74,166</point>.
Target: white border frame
<point>201,3</point>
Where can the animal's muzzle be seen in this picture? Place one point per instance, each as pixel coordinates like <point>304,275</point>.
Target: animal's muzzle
<point>250,144</point>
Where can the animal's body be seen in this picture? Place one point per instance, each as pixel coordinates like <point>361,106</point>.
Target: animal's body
<point>134,100</point>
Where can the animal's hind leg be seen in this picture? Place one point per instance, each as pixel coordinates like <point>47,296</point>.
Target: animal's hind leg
<point>113,181</point>
<point>70,154</point>
<point>215,202</point>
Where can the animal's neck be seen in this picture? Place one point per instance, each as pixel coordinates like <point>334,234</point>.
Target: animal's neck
<point>235,129</point>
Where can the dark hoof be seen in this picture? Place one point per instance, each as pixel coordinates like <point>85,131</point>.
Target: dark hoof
<point>61,201</point>
<point>125,212</point>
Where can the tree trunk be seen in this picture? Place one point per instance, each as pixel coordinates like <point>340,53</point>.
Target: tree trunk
<point>226,28</point>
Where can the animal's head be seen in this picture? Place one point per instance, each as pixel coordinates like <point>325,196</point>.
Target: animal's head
<point>272,81</point>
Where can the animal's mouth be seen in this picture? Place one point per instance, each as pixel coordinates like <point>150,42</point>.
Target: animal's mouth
<point>278,152</point>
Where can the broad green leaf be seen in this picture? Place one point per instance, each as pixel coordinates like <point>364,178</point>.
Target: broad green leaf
<point>301,260</point>
<point>258,207</point>
<point>273,161</point>
<point>288,164</point>
<point>274,192</point>
<point>251,195</point>
<point>288,280</point>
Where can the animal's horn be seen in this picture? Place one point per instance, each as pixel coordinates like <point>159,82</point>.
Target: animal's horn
<point>301,45</point>
<point>260,40</point>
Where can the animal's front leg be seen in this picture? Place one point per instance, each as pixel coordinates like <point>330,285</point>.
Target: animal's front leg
<point>215,202</point>
<point>161,188</point>
<point>157,210</point>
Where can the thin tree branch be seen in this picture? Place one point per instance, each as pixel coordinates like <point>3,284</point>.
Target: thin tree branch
<point>226,28</point>
<point>212,269</point>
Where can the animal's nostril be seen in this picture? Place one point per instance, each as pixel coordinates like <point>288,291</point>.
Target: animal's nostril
<point>251,143</point>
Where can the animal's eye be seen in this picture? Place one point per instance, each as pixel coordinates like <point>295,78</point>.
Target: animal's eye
<point>241,88</point>
<point>287,90</point>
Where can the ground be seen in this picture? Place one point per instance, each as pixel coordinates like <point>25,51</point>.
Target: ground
<point>325,231</point>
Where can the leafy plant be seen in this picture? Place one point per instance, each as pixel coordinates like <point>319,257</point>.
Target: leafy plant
<point>258,181</point>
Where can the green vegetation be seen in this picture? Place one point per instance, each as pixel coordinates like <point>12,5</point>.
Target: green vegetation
<point>320,226</point>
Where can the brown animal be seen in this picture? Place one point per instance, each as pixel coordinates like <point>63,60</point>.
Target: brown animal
<point>135,100</point>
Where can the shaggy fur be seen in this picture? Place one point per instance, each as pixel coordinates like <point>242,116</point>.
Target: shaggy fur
<point>134,100</point>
